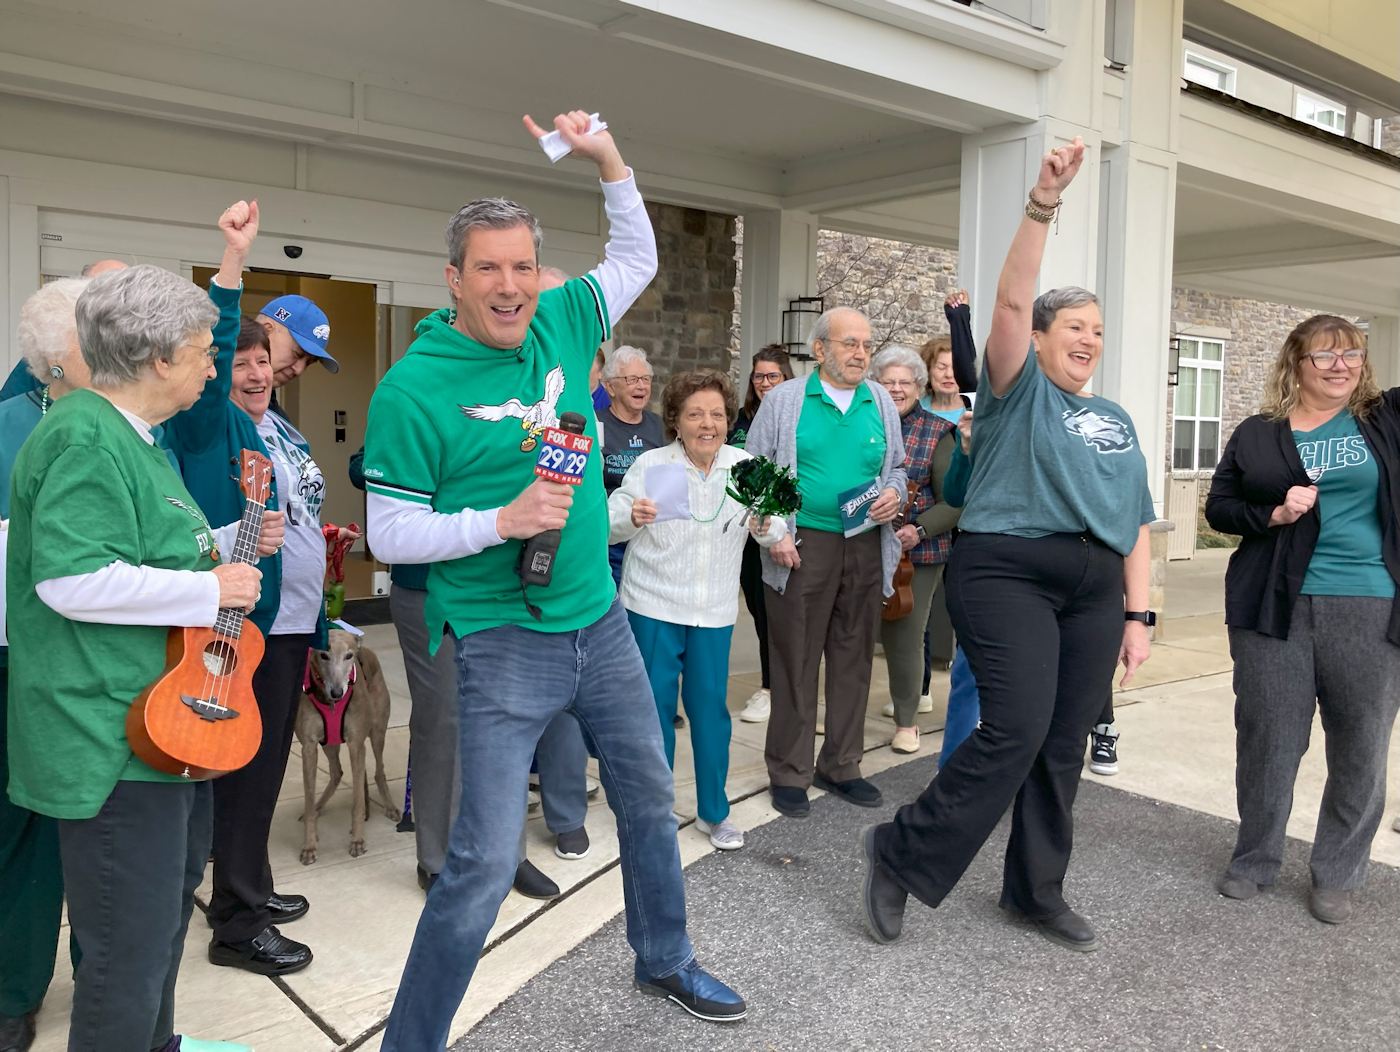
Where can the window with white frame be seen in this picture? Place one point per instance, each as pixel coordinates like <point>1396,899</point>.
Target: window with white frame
<point>1314,109</point>
<point>1196,413</point>
<point>1209,72</point>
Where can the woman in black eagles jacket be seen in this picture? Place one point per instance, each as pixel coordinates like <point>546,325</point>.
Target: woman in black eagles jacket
<point>1312,485</point>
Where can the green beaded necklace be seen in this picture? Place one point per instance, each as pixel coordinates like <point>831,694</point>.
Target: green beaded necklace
<point>723,492</point>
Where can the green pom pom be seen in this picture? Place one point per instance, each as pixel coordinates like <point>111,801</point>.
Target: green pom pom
<point>764,488</point>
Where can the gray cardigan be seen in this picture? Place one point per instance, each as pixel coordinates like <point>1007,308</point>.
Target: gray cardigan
<point>774,435</point>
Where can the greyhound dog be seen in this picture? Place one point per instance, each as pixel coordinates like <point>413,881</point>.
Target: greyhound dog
<point>344,699</point>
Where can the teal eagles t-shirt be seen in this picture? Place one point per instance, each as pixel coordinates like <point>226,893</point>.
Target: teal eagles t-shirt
<point>1347,559</point>
<point>1044,461</point>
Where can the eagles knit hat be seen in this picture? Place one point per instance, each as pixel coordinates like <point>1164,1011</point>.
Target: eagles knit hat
<point>307,323</point>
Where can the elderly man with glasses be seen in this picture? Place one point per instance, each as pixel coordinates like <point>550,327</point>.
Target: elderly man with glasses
<point>840,433</point>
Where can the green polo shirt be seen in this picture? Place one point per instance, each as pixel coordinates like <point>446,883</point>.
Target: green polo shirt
<point>86,491</point>
<point>835,452</point>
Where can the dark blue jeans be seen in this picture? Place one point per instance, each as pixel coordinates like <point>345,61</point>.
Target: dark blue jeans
<point>511,681</point>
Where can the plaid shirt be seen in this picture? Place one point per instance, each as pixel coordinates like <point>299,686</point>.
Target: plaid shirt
<point>922,430</point>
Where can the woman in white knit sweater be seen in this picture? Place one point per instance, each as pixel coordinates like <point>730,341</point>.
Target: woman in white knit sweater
<point>680,578</point>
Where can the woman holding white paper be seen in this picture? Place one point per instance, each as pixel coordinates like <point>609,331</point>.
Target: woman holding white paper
<point>680,578</point>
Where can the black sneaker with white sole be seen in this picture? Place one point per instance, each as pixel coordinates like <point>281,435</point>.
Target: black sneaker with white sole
<point>697,991</point>
<point>1103,749</point>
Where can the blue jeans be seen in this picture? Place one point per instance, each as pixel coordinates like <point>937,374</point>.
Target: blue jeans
<point>695,662</point>
<point>511,681</point>
<point>615,554</point>
<point>964,706</point>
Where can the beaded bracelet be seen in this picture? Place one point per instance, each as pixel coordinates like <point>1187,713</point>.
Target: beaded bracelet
<point>1043,213</point>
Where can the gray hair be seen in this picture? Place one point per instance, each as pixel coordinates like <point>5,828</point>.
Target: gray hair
<point>488,213</point>
<point>129,318</point>
<point>621,357</point>
<point>821,328</point>
<point>897,355</point>
<point>1049,304</point>
<point>554,274</point>
<point>47,325</point>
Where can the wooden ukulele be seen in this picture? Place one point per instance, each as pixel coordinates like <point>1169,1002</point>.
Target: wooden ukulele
<point>901,603</point>
<point>199,718</point>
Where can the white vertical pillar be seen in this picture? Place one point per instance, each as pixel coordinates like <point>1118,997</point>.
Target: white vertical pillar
<point>780,264</point>
<point>24,265</point>
<point>1383,343</point>
<point>1136,246</point>
<point>8,319</point>
<point>999,168</point>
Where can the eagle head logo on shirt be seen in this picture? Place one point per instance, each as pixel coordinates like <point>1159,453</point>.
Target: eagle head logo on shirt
<point>1106,434</point>
<point>533,418</point>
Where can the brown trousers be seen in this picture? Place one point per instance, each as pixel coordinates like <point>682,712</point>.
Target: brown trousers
<point>831,606</point>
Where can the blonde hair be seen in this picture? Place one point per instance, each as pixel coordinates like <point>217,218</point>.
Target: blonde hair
<point>1281,388</point>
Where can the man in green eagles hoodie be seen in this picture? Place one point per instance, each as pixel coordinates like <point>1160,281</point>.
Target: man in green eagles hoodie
<point>450,453</point>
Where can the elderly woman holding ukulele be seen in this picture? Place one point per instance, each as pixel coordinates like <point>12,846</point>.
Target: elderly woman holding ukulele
<point>680,579</point>
<point>107,551</point>
<point>1312,486</point>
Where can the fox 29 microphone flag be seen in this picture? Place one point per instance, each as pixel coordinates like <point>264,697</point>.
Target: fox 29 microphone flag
<point>563,458</point>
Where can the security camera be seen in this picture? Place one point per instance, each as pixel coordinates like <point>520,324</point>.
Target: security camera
<point>292,251</point>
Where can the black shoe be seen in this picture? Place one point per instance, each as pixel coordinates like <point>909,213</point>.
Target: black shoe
<point>791,801</point>
<point>679,721</point>
<point>1071,931</point>
<point>1103,749</point>
<point>697,991</point>
<point>267,953</point>
<point>856,791</point>
<point>285,908</point>
<point>426,880</point>
<point>17,1032</point>
<point>882,899</point>
<point>533,884</point>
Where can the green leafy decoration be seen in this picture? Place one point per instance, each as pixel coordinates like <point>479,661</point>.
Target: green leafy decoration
<point>764,488</point>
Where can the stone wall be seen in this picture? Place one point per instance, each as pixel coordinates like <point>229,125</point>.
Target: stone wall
<point>1257,331</point>
<point>684,317</point>
<point>1390,135</point>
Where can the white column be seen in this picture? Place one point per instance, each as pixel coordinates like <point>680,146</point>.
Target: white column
<point>1383,343</point>
<point>1136,243</point>
<point>998,170</point>
<point>780,264</point>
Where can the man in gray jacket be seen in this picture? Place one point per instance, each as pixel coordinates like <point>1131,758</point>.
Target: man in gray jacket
<point>824,582</point>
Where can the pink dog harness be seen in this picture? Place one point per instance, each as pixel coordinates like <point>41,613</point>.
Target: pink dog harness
<point>332,712</point>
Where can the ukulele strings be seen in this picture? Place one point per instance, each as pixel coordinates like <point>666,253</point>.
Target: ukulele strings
<point>229,632</point>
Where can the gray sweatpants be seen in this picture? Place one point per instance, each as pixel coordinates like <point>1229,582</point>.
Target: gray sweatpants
<point>1336,657</point>
<point>433,746</point>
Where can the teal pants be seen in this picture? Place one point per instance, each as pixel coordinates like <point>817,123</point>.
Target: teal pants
<point>31,893</point>
<point>692,663</point>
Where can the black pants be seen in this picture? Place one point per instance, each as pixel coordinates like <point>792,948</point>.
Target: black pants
<point>751,581</point>
<point>245,799</point>
<point>1041,622</point>
<point>130,873</point>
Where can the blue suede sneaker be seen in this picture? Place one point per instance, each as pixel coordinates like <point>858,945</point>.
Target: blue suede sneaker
<point>697,991</point>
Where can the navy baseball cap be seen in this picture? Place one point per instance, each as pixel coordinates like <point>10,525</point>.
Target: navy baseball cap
<point>308,325</point>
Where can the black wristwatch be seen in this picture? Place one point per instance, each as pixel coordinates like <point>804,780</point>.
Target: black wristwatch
<point>1147,617</point>
<point>919,529</point>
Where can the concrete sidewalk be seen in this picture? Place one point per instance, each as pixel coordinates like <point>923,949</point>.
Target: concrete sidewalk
<point>1177,746</point>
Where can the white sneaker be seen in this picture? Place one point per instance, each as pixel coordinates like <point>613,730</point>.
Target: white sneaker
<point>888,710</point>
<point>591,784</point>
<point>532,800</point>
<point>926,703</point>
<point>725,836</point>
<point>758,707</point>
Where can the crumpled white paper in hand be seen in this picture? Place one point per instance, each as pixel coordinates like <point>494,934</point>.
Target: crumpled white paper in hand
<point>554,146</point>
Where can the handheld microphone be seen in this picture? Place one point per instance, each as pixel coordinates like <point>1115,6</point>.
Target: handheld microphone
<point>563,458</point>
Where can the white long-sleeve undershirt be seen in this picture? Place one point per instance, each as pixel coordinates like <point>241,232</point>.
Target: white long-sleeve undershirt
<point>122,594</point>
<point>403,531</point>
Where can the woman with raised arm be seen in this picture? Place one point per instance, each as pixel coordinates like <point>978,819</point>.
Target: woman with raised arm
<point>1052,558</point>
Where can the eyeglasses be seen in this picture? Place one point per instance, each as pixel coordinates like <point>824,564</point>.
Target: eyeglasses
<point>1352,356</point>
<point>851,344</point>
<point>900,385</point>
<point>636,381</point>
<point>768,378</point>
<point>211,352</point>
